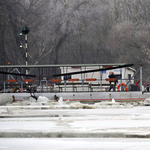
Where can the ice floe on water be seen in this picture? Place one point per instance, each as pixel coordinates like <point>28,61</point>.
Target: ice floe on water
<point>42,102</point>
<point>5,98</point>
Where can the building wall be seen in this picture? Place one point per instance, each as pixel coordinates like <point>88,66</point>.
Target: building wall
<point>124,72</point>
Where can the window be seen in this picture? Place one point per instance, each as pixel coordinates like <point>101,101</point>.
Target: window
<point>66,77</point>
<point>129,76</point>
<point>118,76</point>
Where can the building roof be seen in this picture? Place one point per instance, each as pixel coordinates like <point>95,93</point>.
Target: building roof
<point>60,65</point>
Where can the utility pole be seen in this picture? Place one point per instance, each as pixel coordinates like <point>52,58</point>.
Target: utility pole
<point>25,30</point>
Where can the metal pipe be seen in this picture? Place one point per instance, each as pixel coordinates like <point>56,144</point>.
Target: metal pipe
<point>100,81</point>
<point>4,86</point>
<point>46,85</point>
<point>132,77</point>
<point>82,85</point>
<point>140,77</point>
<point>65,84</point>
<point>26,53</point>
<point>22,86</point>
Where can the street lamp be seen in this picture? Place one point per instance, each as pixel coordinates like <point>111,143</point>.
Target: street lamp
<point>25,30</point>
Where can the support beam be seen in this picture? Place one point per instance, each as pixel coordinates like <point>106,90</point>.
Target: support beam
<point>17,74</point>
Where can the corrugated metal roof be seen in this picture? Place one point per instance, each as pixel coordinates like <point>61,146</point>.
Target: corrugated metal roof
<point>59,65</point>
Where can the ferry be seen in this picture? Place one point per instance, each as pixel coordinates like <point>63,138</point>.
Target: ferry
<point>74,82</point>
